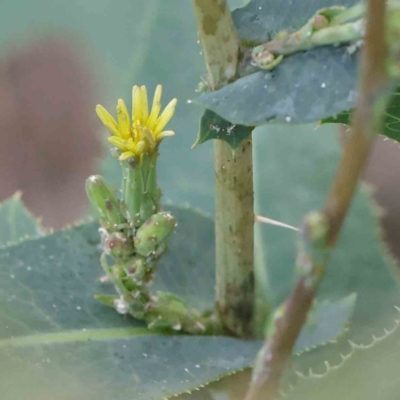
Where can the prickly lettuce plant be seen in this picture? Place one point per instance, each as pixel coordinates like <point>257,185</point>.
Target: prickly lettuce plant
<point>303,298</point>
<point>134,232</point>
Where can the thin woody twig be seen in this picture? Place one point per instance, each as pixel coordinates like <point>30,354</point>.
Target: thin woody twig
<point>321,230</point>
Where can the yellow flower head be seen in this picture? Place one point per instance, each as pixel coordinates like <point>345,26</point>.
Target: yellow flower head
<point>144,133</point>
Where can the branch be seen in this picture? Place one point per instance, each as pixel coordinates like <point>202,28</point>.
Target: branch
<point>321,230</point>
<point>219,40</point>
<point>366,122</point>
<point>234,225</point>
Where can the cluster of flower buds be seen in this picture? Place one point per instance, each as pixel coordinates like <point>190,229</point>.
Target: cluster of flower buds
<point>123,233</point>
<point>134,235</point>
<point>134,232</point>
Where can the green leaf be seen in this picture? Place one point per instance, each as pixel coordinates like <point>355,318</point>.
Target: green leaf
<point>317,332</point>
<point>303,88</point>
<point>328,315</point>
<point>212,126</point>
<point>293,176</point>
<point>293,172</point>
<point>367,372</point>
<point>57,339</point>
<point>391,122</point>
<point>16,221</point>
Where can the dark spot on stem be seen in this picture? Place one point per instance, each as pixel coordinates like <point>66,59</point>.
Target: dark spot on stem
<point>109,205</point>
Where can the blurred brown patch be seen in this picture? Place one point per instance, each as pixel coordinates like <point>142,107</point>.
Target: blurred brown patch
<point>383,173</point>
<point>47,132</point>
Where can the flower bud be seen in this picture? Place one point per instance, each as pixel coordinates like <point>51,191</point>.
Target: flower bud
<point>117,245</point>
<point>153,233</point>
<point>320,22</point>
<point>103,201</point>
<point>166,310</point>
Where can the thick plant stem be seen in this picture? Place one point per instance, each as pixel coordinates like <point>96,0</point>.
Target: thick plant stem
<point>234,237</point>
<point>322,229</point>
<point>219,40</point>
<point>234,179</point>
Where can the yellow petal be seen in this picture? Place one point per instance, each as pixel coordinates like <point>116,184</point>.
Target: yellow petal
<point>145,104</point>
<point>107,119</point>
<point>137,131</point>
<point>164,134</point>
<point>130,145</point>
<point>125,155</point>
<point>148,137</point>
<point>142,147</point>
<point>117,142</point>
<point>155,108</point>
<point>136,104</point>
<point>124,123</point>
<point>165,117</point>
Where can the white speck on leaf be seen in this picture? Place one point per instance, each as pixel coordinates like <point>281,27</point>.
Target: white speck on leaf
<point>230,129</point>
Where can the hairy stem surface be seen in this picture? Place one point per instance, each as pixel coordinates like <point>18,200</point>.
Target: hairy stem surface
<point>234,237</point>
<point>234,179</point>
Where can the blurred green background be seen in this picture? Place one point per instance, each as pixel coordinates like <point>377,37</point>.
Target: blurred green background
<point>110,45</point>
<point>59,59</point>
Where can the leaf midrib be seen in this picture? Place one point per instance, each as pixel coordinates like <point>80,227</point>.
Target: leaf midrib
<point>77,336</point>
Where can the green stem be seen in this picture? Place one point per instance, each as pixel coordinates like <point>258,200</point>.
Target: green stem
<point>219,40</point>
<point>151,183</point>
<point>234,179</point>
<point>134,186</point>
<point>294,43</point>
<point>119,286</point>
<point>345,33</point>
<point>349,14</point>
<point>151,194</point>
<point>235,288</point>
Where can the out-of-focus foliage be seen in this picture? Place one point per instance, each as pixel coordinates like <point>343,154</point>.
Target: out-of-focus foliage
<point>17,222</point>
<point>148,42</point>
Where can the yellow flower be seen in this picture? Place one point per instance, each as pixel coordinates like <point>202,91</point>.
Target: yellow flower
<point>144,133</point>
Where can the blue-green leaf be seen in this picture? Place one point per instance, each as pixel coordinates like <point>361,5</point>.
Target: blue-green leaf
<point>305,87</point>
<point>16,221</point>
<point>391,128</point>
<point>212,126</point>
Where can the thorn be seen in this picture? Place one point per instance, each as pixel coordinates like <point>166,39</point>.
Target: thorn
<point>265,220</point>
